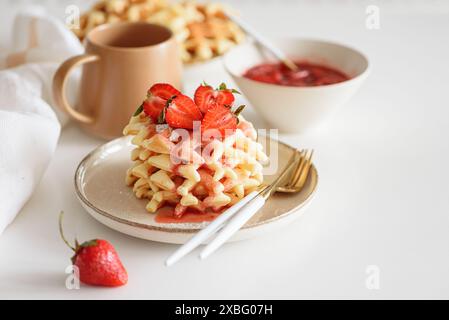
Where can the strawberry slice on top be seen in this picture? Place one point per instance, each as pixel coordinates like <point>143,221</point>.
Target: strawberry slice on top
<point>180,112</point>
<point>220,118</point>
<point>207,97</point>
<point>157,98</point>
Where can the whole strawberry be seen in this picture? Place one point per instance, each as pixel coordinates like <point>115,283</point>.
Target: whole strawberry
<point>97,261</point>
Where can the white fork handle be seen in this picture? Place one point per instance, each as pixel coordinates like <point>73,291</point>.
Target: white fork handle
<point>233,226</point>
<point>205,233</point>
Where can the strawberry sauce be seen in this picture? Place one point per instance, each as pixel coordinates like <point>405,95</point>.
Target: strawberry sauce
<point>166,215</point>
<point>308,74</point>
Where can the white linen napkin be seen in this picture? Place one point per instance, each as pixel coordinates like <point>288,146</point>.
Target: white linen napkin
<point>29,126</point>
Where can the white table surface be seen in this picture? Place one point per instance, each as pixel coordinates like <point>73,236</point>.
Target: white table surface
<point>383,197</point>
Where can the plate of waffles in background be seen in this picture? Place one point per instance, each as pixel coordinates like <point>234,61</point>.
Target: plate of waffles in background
<point>202,29</point>
<point>182,162</point>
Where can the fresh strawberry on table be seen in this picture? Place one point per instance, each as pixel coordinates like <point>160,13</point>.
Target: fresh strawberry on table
<point>180,112</point>
<point>207,97</point>
<point>221,118</point>
<point>97,261</point>
<point>157,98</point>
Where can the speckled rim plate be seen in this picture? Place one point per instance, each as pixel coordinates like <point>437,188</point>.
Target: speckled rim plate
<point>100,187</point>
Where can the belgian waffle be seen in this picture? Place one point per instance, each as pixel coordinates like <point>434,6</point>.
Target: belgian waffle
<point>233,170</point>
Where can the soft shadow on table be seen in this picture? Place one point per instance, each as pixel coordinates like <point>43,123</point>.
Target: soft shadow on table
<point>39,280</point>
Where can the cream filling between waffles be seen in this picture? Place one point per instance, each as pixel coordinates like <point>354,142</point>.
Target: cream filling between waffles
<point>188,173</point>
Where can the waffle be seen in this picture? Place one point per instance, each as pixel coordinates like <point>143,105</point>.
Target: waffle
<point>233,169</point>
<point>202,30</point>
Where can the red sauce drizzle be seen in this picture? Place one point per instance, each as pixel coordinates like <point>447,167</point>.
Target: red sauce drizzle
<point>165,215</point>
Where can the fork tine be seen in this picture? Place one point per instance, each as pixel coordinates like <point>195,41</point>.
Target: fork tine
<point>294,175</point>
<point>299,168</point>
<point>304,171</point>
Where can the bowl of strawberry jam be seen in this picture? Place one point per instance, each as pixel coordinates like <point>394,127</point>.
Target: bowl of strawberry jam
<point>328,75</point>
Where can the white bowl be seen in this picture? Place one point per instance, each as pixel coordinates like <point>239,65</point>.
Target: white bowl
<point>298,109</point>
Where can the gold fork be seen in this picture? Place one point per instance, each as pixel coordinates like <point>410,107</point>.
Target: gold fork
<point>299,175</point>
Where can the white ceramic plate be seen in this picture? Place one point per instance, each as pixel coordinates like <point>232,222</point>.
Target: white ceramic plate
<point>101,189</point>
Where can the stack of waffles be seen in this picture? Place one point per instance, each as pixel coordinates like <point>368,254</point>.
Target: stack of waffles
<point>202,30</point>
<point>188,173</point>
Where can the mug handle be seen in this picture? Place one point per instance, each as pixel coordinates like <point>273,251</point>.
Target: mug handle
<point>59,83</point>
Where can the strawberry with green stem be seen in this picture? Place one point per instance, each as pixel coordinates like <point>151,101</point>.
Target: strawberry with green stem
<point>97,261</point>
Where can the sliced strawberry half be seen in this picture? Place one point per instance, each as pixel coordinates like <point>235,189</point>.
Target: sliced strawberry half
<point>163,90</point>
<point>207,97</point>
<point>181,112</point>
<point>220,118</point>
<point>157,98</point>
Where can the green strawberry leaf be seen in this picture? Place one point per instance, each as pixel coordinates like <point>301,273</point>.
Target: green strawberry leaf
<point>90,243</point>
<point>161,117</point>
<point>239,110</point>
<point>223,87</point>
<point>138,111</point>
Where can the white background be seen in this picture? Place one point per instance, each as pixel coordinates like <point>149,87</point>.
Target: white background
<point>383,196</point>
